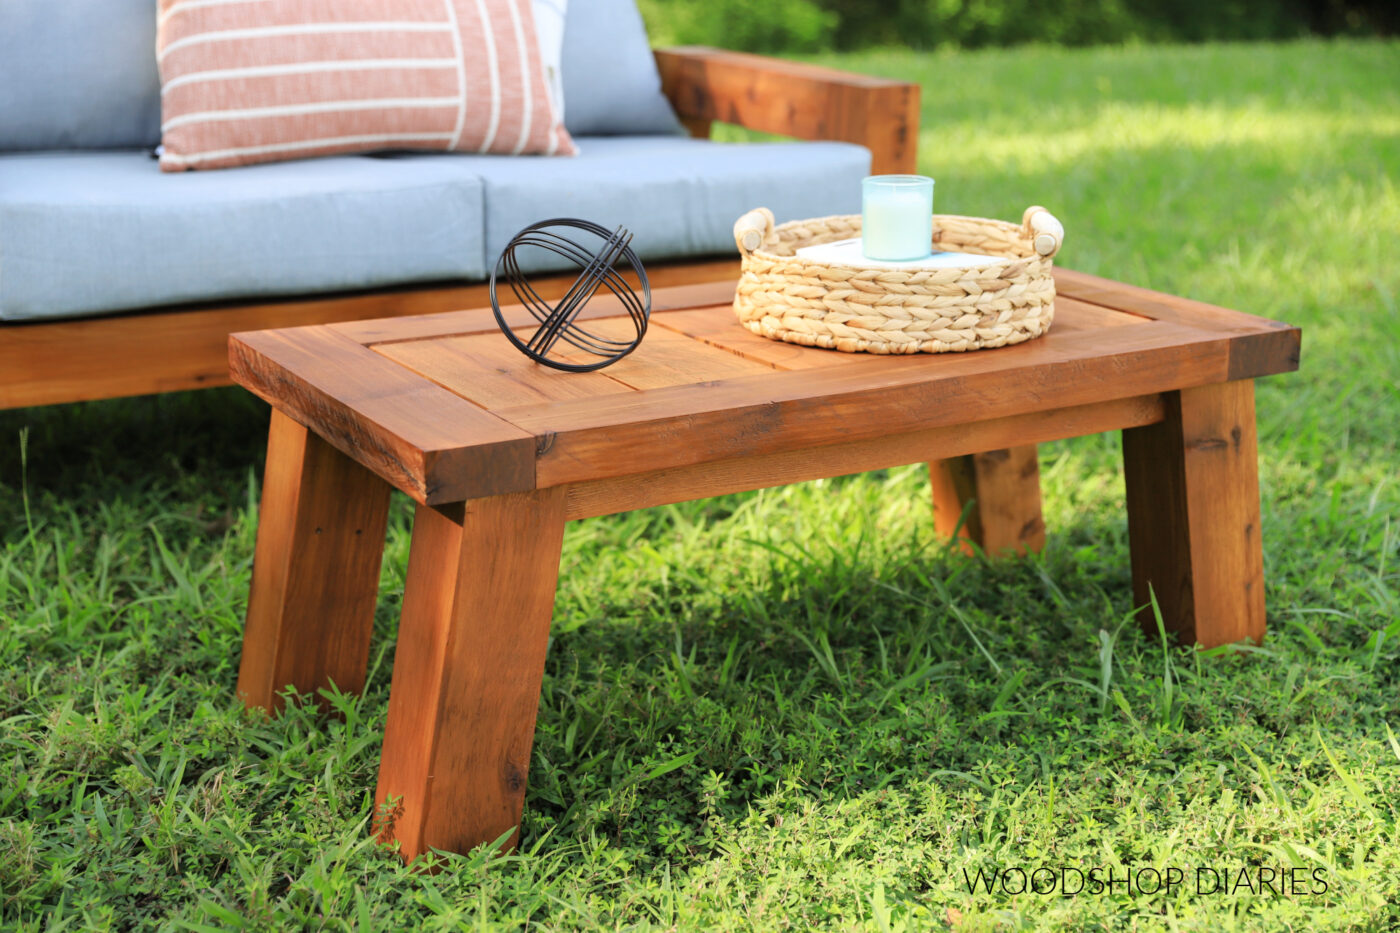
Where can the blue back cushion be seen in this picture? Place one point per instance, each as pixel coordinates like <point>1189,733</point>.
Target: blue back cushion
<point>81,74</point>
<point>611,87</point>
<point>78,74</point>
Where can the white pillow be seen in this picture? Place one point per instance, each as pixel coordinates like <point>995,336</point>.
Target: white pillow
<point>549,31</point>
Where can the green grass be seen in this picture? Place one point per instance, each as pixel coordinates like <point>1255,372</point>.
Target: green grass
<point>794,708</point>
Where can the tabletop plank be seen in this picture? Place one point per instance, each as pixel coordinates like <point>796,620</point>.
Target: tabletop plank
<point>1072,315</point>
<point>1274,346</point>
<point>717,326</point>
<point>419,437</point>
<point>1159,306</point>
<point>666,357</point>
<point>487,370</point>
<point>702,388</point>
<point>483,320</point>
<point>743,417</point>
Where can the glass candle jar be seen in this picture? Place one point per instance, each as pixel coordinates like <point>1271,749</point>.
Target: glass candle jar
<point>896,217</point>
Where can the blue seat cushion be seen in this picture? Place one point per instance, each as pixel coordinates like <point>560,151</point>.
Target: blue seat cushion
<point>78,74</point>
<point>678,196</point>
<point>95,232</point>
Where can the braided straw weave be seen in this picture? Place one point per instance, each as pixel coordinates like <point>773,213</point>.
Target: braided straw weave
<point>783,297</point>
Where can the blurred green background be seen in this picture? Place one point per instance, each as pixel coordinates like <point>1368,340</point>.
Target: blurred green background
<point>776,26</point>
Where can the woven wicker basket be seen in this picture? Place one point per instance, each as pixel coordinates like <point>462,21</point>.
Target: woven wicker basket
<point>842,307</point>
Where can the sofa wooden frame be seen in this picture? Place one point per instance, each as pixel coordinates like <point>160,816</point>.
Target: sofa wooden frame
<point>175,349</point>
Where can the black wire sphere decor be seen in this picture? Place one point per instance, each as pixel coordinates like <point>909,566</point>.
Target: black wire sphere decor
<point>559,341</point>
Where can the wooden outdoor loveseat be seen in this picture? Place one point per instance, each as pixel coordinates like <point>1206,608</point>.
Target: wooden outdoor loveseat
<point>173,348</point>
<point>177,347</point>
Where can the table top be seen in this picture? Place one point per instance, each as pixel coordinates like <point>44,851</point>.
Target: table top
<point>444,408</point>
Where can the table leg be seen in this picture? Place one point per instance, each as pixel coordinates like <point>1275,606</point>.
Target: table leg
<point>315,569</point>
<point>467,671</point>
<point>1193,515</point>
<point>1005,485</point>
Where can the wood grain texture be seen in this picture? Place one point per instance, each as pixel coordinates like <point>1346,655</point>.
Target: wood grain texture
<point>1003,485</point>
<point>1174,309</point>
<point>481,320</point>
<point>1010,501</point>
<point>795,99</point>
<point>643,490</point>
<point>702,310</point>
<point>315,569</point>
<point>716,410</point>
<point>170,350</point>
<point>1193,516</point>
<point>431,444</point>
<point>666,358</point>
<point>467,671</point>
<point>824,398</point>
<point>717,326</point>
<point>679,426</point>
<point>488,370</point>
<point>1072,315</point>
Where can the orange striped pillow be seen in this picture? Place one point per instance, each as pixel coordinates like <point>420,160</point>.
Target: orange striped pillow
<point>246,81</point>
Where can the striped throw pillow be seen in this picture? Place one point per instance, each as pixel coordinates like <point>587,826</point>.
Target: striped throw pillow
<point>246,81</point>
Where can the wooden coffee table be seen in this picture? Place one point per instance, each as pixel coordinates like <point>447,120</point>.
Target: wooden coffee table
<point>500,453</point>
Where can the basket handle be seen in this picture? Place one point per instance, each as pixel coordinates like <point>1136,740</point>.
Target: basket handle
<point>1043,230</point>
<point>753,229</point>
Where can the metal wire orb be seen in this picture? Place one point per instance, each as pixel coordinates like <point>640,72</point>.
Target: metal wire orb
<point>557,321</point>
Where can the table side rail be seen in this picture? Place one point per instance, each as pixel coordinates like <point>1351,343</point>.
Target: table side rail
<point>669,428</point>
<point>427,442</point>
<point>699,481</point>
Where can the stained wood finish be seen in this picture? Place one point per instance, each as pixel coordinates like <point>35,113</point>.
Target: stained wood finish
<point>1249,359</point>
<point>1017,505</point>
<point>482,320</point>
<point>467,671</point>
<point>714,326</point>
<point>991,499</point>
<point>315,569</point>
<point>432,444</point>
<point>643,490</point>
<point>170,350</point>
<point>487,370</point>
<point>794,99</point>
<point>1122,298</point>
<point>439,447</point>
<point>490,372</point>
<point>1193,516</point>
<point>678,426</point>
<point>1003,485</point>
<point>500,453</point>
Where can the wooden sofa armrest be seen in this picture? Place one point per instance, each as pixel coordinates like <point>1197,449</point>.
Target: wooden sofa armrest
<point>793,99</point>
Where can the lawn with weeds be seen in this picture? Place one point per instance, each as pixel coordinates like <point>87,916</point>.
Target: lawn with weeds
<point>795,708</point>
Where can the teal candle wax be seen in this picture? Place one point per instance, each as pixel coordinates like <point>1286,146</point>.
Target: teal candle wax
<point>896,217</point>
